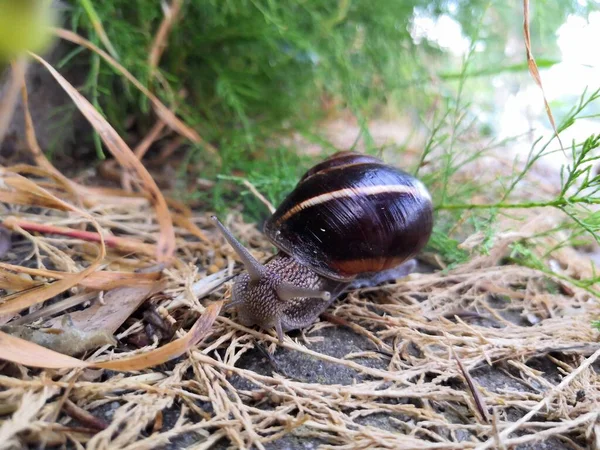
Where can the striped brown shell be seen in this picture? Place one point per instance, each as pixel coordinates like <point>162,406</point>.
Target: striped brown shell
<point>352,215</point>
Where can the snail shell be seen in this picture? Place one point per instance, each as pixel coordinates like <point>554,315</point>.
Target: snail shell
<point>351,215</point>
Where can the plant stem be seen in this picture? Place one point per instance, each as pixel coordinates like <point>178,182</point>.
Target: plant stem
<point>119,243</point>
<point>557,203</point>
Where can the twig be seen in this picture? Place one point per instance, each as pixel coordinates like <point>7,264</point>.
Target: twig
<point>480,404</point>
<point>118,243</point>
<point>259,196</point>
<point>84,417</point>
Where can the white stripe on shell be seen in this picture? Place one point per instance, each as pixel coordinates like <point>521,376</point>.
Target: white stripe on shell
<point>418,190</point>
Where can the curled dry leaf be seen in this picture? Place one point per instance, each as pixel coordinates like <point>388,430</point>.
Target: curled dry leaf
<point>121,151</point>
<point>18,190</point>
<point>84,417</point>
<point>62,183</point>
<point>29,354</point>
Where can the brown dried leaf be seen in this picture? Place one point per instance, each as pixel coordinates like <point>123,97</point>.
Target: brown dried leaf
<point>62,183</point>
<point>21,191</point>
<point>29,354</point>
<point>67,341</point>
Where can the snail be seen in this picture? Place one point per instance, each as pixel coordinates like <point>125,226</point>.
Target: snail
<point>351,220</point>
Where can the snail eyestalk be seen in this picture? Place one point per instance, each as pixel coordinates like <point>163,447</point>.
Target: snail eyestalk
<point>253,267</point>
<point>287,291</point>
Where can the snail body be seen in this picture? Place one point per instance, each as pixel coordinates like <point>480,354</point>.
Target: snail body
<point>351,221</point>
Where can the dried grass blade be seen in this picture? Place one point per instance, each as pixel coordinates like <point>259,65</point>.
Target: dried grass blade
<point>159,44</point>
<point>61,182</point>
<point>161,110</point>
<point>259,196</point>
<point>122,152</point>
<point>56,308</point>
<point>26,353</point>
<point>32,142</point>
<point>20,194</point>
<point>150,138</point>
<point>533,68</point>
<point>103,280</point>
<point>187,224</point>
<point>95,195</point>
<point>141,149</point>
<point>548,397</point>
<point>38,294</point>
